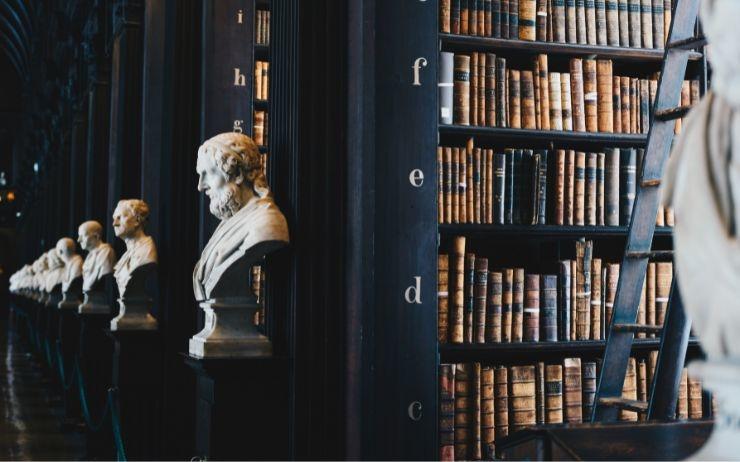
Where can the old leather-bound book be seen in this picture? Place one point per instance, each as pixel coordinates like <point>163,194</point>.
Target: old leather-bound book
<point>476,450</point>
<point>556,101</point>
<point>490,90</point>
<point>628,184</point>
<point>477,177</point>
<point>559,187</point>
<point>531,307</point>
<point>506,305</point>
<point>501,120</point>
<point>663,281</point>
<point>513,19</point>
<point>601,26</point>
<point>463,411</point>
<point>571,34</point>
<point>590,95</point>
<point>541,20</point>
<point>579,197</point>
<point>564,300</point>
<point>611,187</point>
<point>567,102</point>
<point>517,306</point>
<point>612,22</point>
<point>635,26</point>
<point>442,185</point>
<point>569,201</point>
<point>642,388</point>
<point>482,65</point>
<point>505,18</point>
<point>624,23</point>
<point>515,114</point>
<point>584,251</point>
<point>553,394</point>
<point>447,412</point>
<point>499,182</point>
<point>682,408</point>
<point>658,24</point>
<point>549,308</point>
<point>544,86</point>
<point>496,18</point>
<point>541,188</point>
<point>480,292</point>
<point>461,90</point>
<point>444,15</point>
<point>605,95</point>
<point>463,184</point>
<point>527,19</point>
<point>493,310</point>
<point>539,387</point>
<point>600,159</point>
<point>488,18</point>
<point>457,289</point>
<point>626,105</point>
<point>617,104</point>
<point>469,297</point>
<point>573,298</point>
<point>588,383</point>
<point>646,23</point>
<point>470,186</point>
<point>596,299</point>
<point>474,88</point>
<point>590,215</point>
<point>450,154</point>
<point>509,186</point>
<point>629,390</point>
<point>487,411</point>
<point>581,30</point>
<point>558,21</point>
<point>572,399</point>
<point>528,119</point>
<point>455,17</point>
<point>695,398</point>
<point>489,195</point>
<point>442,297</point>
<point>501,401</point>
<point>465,17</point>
<point>522,401</point>
<point>612,279</point>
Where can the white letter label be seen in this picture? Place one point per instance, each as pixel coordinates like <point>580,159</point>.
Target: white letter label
<point>238,126</point>
<point>414,411</point>
<point>239,17</point>
<point>416,177</point>
<point>239,79</point>
<point>418,63</point>
<point>413,293</point>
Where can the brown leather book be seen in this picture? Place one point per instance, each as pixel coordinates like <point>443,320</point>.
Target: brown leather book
<point>694,93</point>
<point>536,85</point>
<point>572,399</point>
<point>470,186</point>
<point>501,401</point>
<point>634,105</point>
<point>482,18</point>
<point>564,300</point>
<point>461,90</point>
<point>695,399</point>
<point>501,120</point>
<point>667,18</point>
<point>493,311</point>
<point>527,19</point>
<point>629,390</point>
<point>458,163</point>
<point>600,159</point>
<point>515,114</point>
<point>624,23</point>
<point>477,205</point>
<point>544,91</point>
<point>542,17</point>
<point>617,104</point>
<point>443,186</point>
<point>652,361</point>
<point>566,101</point>
<point>642,390</point>
<point>612,22</point>
<point>528,103</point>
<point>559,174</point>
<point>682,409</point>
<point>601,26</point>
<point>490,90</point>
<point>626,107</point>
<point>658,25</point>
<point>447,412</point>
<point>463,184</point>
<point>571,33</point>
<point>465,17</point>
<point>590,95</point>
<point>596,299</point>
<point>573,298</point>
<point>505,19</point>
<point>569,187</point>
<point>487,411</point>
<point>591,163</point>
<point>591,22</point>
<point>612,279</point>
<point>556,111</point>
<point>581,32</point>
<point>474,87</point>
<point>663,280</point>
<point>258,79</point>
<point>463,408</point>
<point>480,292</point>
<point>482,64</point>
<point>259,128</point>
<point>489,17</point>
<point>579,197</point>
<point>558,21</point>
<point>444,15</point>
<point>469,297</point>
<point>605,95</point>
<point>476,450</point>
<point>522,405</point>
<point>539,374</point>
<point>611,187</point>
<point>455,16</point>
<point>635,27</point>
<point>584,251</point>
<point>588,384</point>
<point>549,308</point>
<point>646,23</point>
<point>507,304</point>
<point>457,289</point>
<point>531,308</point>
<point>517,306</point>
<point>443,282</point>
<point>644,105</point>
<point>650,295</point>
<point>554,394</point>
<point>489,199</point>
<point>513,19</point>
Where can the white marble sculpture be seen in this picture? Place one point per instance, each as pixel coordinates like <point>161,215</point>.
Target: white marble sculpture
<point>703,186</point>
<point>72,279</point>
<point>54,275</point>
<point>38,283</point>
<point>134,268</point>
<point>251,226</point>
<point>97,267</point>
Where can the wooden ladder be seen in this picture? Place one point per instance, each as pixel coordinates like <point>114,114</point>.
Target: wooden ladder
<point>675,332</point>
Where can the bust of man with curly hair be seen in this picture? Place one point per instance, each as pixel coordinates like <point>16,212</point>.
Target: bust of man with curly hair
<point>230,173</point>
<point>129,220</point>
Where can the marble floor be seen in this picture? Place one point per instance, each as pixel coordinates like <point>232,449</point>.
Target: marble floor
<point>29,415</point>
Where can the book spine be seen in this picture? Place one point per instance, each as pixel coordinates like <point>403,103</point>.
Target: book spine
<point>444,197</point>
<point>528,181</point>
<point>464,16</point>
<point>626,110</point>
<point>463,410</point>
<point>496,18</point>
<point>596,299</point>
<point>473,87</point>
<point>446,412</point>
<point>605,96</point>
<point>455,17</point>
<point>567,102</point>
<point>458,289</point>
<point>465,183</point>
<point>667,18</point>
<point>542,188</point>
<point>480,291</point>
<point>487,411</point>
<point>564,300</point>
<point>582,35</point>
<point>612,279</point>
<point>531,308</point>
<point>590,215</point>
<point>590,95</point>
<point>522,397</point>
<point>658,24</point>
<point>579,203</point>
<point>446,84</point>
<point>642,393</point>
<point>477,177</point>
<point>518,186</point>
<point>527,19</point>
<point>569,187</point>
<point>493,312</point>
<point>617,104</point>
<point>473,17</point>
<point>588,383</point>
<point>475,450</point>
<point>499,181</point>
<point>646,23</point>
<point>544,91</point>
<point>505,19</point>
<point>515,114</point>
<point>458,169</point>
<point>558,21</point>
<point>577,95</point>
<point>443,283</point>
<point>517,306</point>
<point>549,308</point>
<point>573,298</point>
<point>509,186</point>
<point>682,409</point>
<point>591,22</point>
<point>612,22</point>
<point>559,175</point>
<point>572,399</point>
<point>444,15</point>
<point>583,290</point>
<point>663,281</point>
<point>601,26</point>
<point>501,401</point>
<point>628,184</point>
<point>634,106</point>
<point>633,7</point>
<point>611,187</point>
<point>461,90</point>
<point>629,390</point>
<point>506,305</point>
<point>695,398</point>
<point>490,90</point>
<point>650,295</point>
<point>600,159</point>
<point>554,394</point>
<point>489,186</point>
<point>469,297</point>
<point>570,22</point>
<point>542,20</point>
<point>540,392</point>
<point>481,18</point>
<point>501,92</point>
<point>481,118</point>
<point>488,5</point>
<point>513,19</point>
<point>624,23</point>
<point>556,111</point>
<point>528,119</point>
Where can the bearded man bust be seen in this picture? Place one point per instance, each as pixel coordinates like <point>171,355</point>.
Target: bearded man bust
<point>252,226</point>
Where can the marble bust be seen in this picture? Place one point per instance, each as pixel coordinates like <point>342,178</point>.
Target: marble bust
<point>100,256</point>
<point>72,262</point>
<point>702,184</point>
<point>135,267</point>
<point>55,272</point>
<point>252,226</point>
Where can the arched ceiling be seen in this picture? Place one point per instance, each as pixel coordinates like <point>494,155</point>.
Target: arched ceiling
<point>15,49</point>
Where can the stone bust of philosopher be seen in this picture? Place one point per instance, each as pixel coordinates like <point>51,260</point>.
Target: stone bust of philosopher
<point>100,255</point>
<point>230,174</point>
<point>72,262</point>
<point>129,220</point>
<point>55,271</point>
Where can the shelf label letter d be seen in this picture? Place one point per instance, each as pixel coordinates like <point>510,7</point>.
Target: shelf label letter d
<point>413,293</point>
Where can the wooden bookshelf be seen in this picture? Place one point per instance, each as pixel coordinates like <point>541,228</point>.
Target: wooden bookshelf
<point>542,231</point>
<point>540,138</point>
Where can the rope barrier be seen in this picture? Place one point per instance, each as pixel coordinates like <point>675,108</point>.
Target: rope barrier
<point>60,363</point>
<point>116,424</point>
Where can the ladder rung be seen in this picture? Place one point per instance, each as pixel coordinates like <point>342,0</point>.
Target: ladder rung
<point>689,43</point>
<point>650,182</point>
<point>672,113</point>
<point>626,404</point>
<point>657,254</point>
<point>637,328</point>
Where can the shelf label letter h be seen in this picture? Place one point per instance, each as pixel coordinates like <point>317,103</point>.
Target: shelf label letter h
<point>240,80</point>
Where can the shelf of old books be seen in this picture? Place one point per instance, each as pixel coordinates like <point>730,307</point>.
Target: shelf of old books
<point>544,111</point>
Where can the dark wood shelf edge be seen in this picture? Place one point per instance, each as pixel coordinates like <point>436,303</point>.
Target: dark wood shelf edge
<point>454,42</point>
<point>542,230</point>
<point>498,133</point>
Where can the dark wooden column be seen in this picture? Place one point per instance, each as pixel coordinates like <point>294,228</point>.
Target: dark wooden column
<point>77,174</point>
<point>98,126</point>
<point>124,168</point>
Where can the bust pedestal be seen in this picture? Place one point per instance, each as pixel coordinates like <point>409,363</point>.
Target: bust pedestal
<point>71,298</point>
<point>68,335</point>
<point>134,303</point>
<point>229,331</point>
<point>241,408</point>
<point>96,297</point>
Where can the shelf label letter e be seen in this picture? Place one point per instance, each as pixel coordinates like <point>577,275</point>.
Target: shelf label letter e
<point>413,293</point>
<point>418,64</point>
<point>416,178</point>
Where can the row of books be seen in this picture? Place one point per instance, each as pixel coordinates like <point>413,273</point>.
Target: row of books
<point>261,79</point>
<point>479,89</point>
<point>539,187</point>
<point>259,132</point>
<point>619,23</point>
<point>479,302</point>
<point>481,404</point>
<point>262,27</point>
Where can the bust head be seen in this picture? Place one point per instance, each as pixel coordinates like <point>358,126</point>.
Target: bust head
<point>65,249</point>
<point>90,235</point>
<point>230,173</point>
<point>129,218</point>
<point>54,257</point>
<point>718,19</point>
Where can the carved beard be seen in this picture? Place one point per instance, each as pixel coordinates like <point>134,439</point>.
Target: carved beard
<point>225,201</point>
